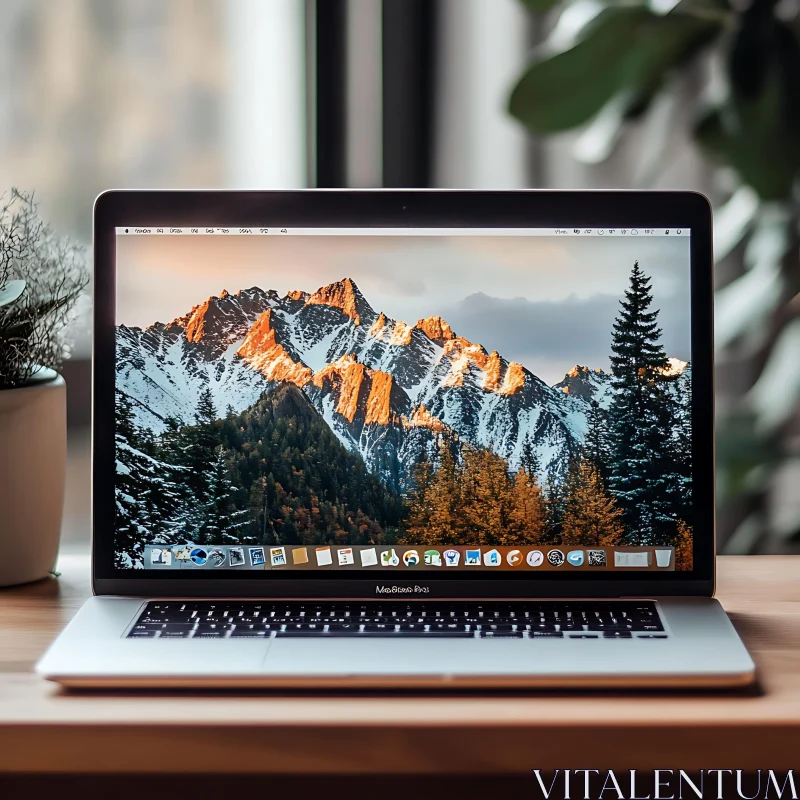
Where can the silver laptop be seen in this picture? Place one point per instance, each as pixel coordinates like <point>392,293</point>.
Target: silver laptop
<point>399,438</point>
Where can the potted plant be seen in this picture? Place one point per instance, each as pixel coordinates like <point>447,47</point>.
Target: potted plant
<point>42,277</point>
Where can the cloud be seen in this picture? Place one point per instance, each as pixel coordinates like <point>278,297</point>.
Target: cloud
<point>549,337</point>
<point>396,283</point>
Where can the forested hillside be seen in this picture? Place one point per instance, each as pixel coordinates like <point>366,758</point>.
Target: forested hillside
<point>274,474</point>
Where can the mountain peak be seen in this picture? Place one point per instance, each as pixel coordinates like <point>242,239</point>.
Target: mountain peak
<point>195,324</point>
<point>379,324</point>
<point>582,382</point>
<point>513,380</point>
<point>356,388</point>
<point>262,350</point>
<point>436,328</point>
<point>219,313</point>
<point>345,296</point>
<point>579,371</point>
<point>297,294</point>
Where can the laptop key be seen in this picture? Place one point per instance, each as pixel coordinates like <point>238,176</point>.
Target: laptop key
<point>163,626</point>
<point>313,627</point>
<point>438,627</point>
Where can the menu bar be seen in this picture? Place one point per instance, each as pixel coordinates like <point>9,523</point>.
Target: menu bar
<point>281,231</point>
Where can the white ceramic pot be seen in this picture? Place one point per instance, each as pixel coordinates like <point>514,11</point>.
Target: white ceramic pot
<point>33,464</point>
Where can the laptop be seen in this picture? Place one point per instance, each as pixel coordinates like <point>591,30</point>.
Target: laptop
<point>402,439</point>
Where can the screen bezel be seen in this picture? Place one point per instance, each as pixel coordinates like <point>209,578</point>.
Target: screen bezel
<point>413,209</point>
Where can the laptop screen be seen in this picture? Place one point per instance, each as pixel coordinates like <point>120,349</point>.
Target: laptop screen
<point>403,399</point>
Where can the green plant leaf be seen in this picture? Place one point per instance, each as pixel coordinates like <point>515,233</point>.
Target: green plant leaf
<point>745,456</point>
<point>624,49</point>
<point>540,6</point>
<point>757,131</point>
<point>11,292</point>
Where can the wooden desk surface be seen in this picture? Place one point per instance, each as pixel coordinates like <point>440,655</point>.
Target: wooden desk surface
<point>410,733</point>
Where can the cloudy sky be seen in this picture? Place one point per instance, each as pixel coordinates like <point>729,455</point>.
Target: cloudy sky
<point>548,303</point>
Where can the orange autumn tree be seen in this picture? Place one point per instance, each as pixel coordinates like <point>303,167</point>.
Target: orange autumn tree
<point>527,519</point>
<point>486,495</point>
<point>434,515</point>
<point>591,515</point>
<point>684,559</point>
<point>474,499</point>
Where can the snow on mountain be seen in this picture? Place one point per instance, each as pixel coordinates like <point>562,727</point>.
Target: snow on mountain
<point>386,388</point>
<point>163,368</point>
<point>676,366</point>
<point>586,384</point>
<point>582,386</point>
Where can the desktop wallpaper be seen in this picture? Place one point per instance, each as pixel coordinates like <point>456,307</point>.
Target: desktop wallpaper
<point>417,390</point>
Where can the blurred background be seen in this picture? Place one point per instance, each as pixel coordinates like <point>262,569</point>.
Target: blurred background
<point>695,94</point>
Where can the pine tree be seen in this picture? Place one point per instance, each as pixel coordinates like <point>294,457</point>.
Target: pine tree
<point>595,445</point>
<point>144,494</point>
<point>260,529</point>
<point>683,444</point>
<point>132,518</point>
<point>553,497</point>
<point>221,522</point>
<point>206,413</point>
<point>591,515</point>
<point>642,468</point>
<point>486,496</point>
<point>527,522</point>
<point>529,461</point>
<point>197,446</point>
<point>125,426</point>
<point>420,510</point>
<point>442,506</point>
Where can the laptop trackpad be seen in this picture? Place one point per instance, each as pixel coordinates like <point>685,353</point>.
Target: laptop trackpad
<point>345,656</point>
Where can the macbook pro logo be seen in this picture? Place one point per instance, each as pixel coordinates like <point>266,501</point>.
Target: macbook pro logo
<point>402,590</point>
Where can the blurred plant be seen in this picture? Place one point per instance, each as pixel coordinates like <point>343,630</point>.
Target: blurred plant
<point>42,278</point>
<point>605,64</point>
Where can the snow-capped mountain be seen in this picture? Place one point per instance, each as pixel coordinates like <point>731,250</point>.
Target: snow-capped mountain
<point>587,385</point>
<point>163,368</point>
<point>385,387</point>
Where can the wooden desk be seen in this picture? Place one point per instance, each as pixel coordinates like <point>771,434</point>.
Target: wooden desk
<point>43,729</point>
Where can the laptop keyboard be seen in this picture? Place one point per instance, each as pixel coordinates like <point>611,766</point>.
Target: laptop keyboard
<point>176,619</point>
